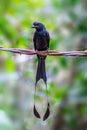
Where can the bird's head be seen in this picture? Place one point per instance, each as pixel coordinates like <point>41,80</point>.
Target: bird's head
<point>38,26</point>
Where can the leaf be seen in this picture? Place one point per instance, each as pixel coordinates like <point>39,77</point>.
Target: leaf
<point>36,113</point>
<point>46,115</point>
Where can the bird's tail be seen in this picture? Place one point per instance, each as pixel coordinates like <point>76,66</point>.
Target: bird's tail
<point>41,74</point>
<point>41,71</point>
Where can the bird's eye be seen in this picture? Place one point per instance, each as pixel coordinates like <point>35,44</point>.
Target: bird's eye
<point>38,24</point>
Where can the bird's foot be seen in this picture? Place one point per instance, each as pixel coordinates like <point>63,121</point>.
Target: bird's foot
<point>36,51</point>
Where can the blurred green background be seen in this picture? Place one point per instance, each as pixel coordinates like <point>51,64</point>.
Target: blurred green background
<point>66,21</point>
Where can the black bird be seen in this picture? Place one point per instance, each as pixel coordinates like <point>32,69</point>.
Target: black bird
<point>41,41</point>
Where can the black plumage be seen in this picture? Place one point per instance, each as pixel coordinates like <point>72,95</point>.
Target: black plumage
<point>41,41</point>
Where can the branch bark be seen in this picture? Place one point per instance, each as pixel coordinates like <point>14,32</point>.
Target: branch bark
<point>44,53</point>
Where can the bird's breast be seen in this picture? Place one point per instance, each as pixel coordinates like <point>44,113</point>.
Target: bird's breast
<point>41,43</point>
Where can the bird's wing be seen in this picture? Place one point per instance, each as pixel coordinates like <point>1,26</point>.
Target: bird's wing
<point>48,38</point>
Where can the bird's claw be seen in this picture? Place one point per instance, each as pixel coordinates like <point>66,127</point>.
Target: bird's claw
<point>36,51</point>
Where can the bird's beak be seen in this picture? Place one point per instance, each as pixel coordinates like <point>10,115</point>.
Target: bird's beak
<point>33,26</point>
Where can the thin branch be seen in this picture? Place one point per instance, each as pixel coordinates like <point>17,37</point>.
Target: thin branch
<point>44,53</point>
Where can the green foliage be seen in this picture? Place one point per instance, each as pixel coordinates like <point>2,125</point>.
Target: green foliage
<point>66,22</point>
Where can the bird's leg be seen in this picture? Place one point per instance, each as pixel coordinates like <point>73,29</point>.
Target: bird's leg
<point>36,51</point>
<point>47,50</point>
